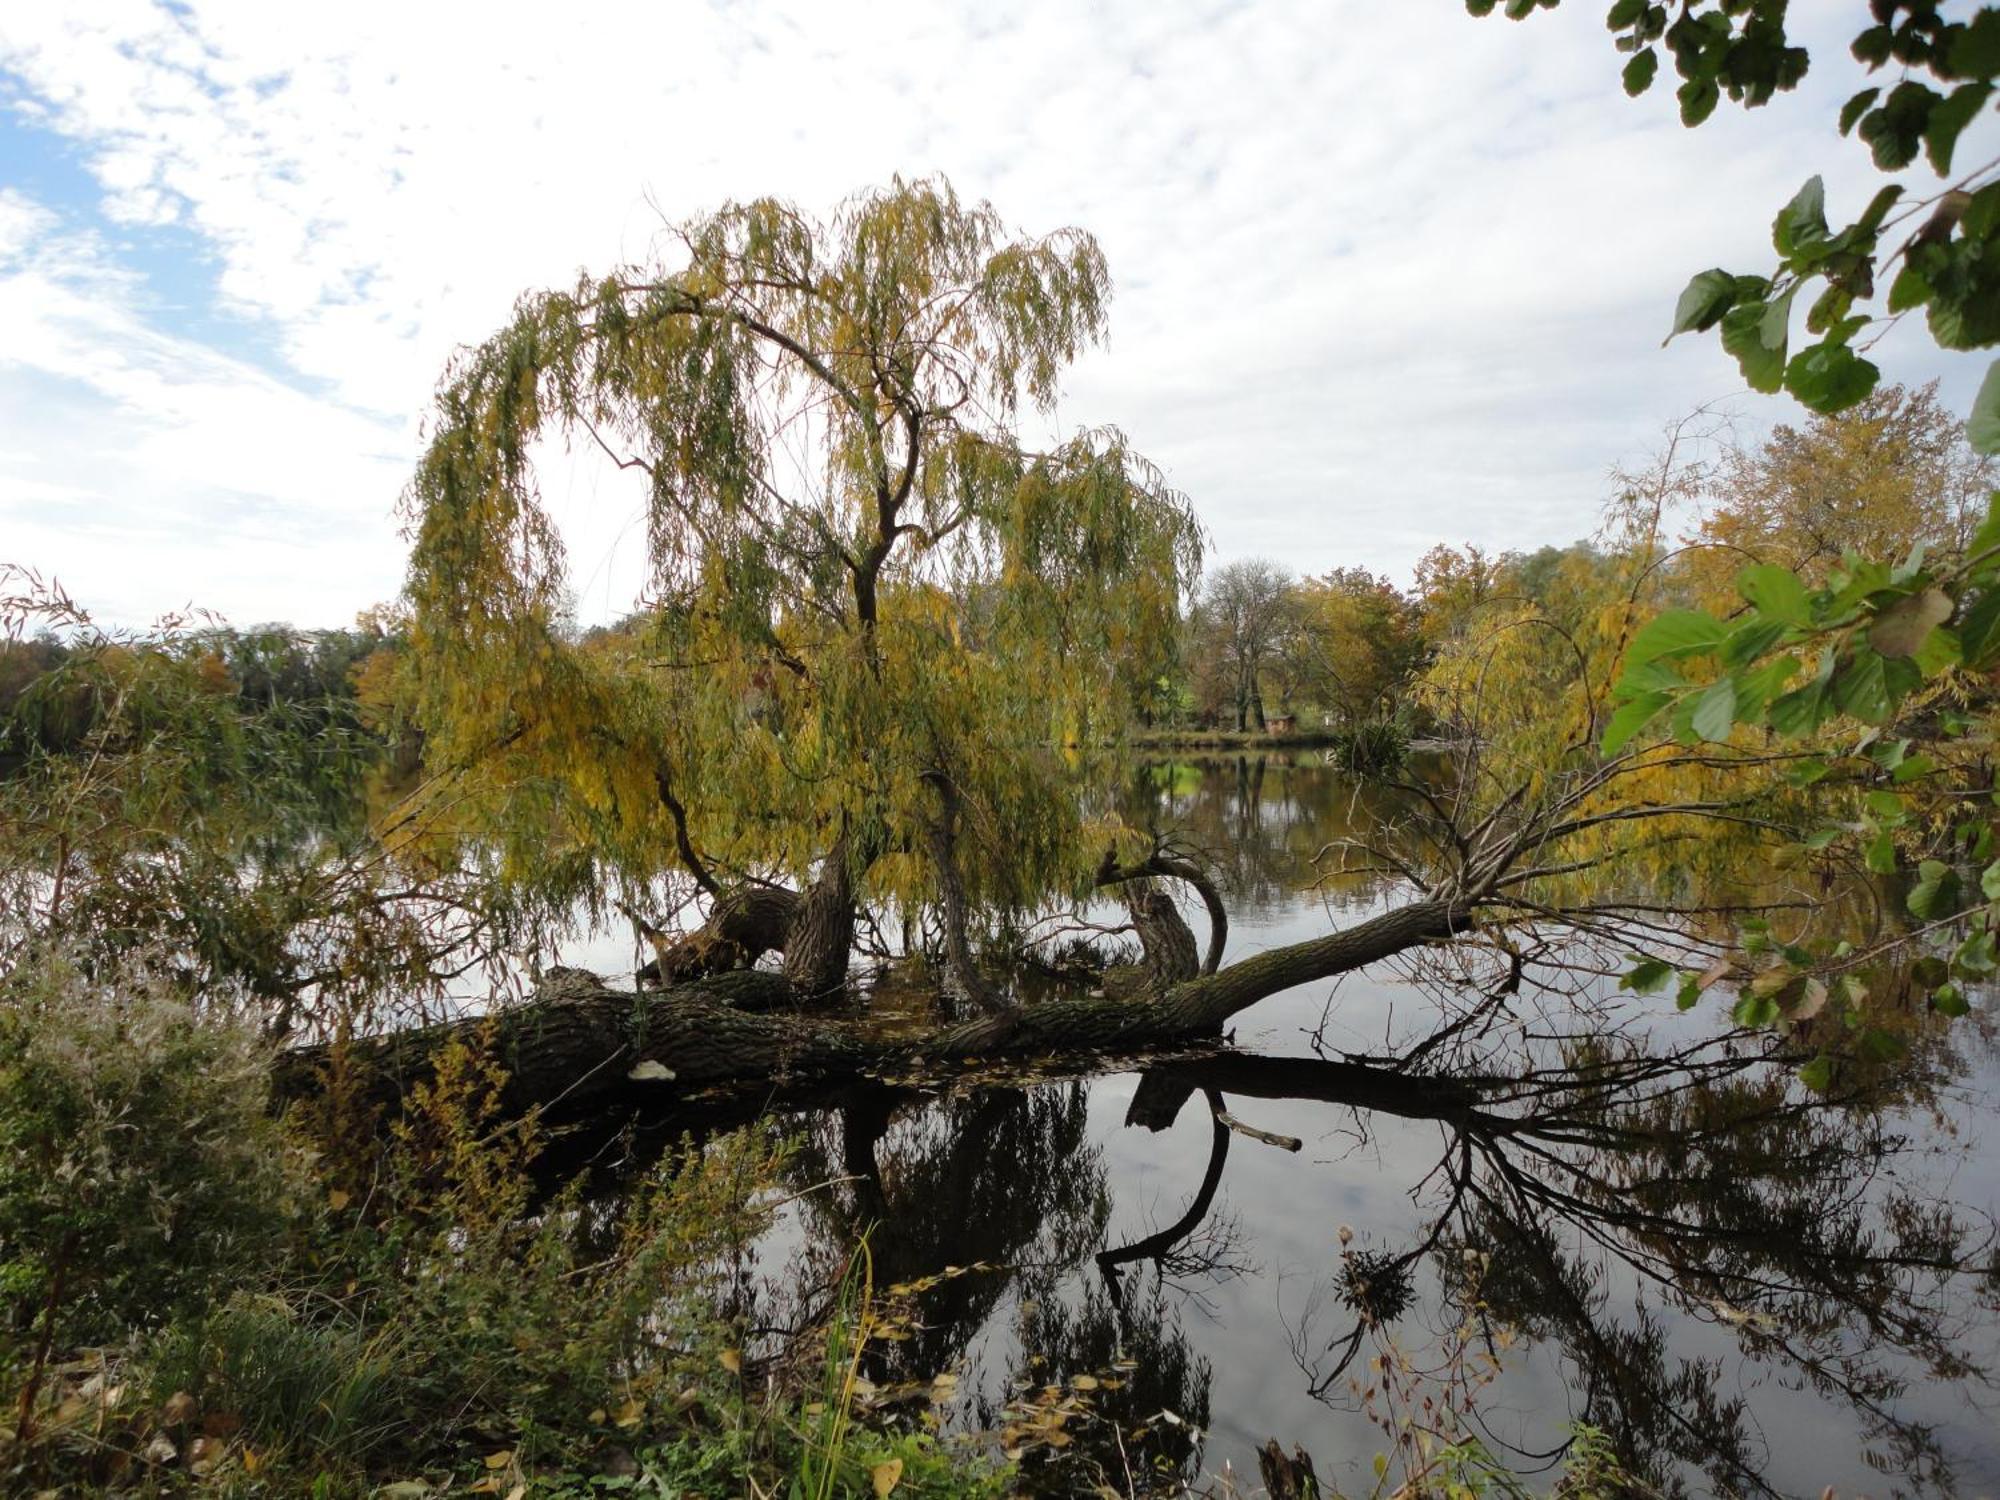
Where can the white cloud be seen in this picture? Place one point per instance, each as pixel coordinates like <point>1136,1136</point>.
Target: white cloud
<point>1386,275</point>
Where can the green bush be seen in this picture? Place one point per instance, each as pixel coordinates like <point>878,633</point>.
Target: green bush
<point>1373,747</point>
<point>140,1169</point>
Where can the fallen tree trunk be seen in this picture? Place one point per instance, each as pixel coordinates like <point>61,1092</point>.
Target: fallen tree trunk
<point>579,1039</point>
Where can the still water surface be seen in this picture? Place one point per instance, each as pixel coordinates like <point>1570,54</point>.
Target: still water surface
<point>1626,1218</point>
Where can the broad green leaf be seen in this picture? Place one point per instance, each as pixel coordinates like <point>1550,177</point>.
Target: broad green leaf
<point>1776,592</point>
<point>1885,805</point>
<point>1931,896</point>
<point>1640,71</point>
<point>1762,364</point>
<point>1751,640</point>
<point>1975,956</point>
<point>1975,51</point>
<point>1755,1010</point>
<point>1803,220</point>
<point>1828,377</point>
<point>1982,428</point>
<point>1631,717</point>
<point>1861,688</point>
<point>1646,974</point>
<point>1949,1000</point>
<point>1706,299</point>
<point>1817,1075</point>
<point>1979,641</point>
<point>1675,633</point>
<point>1948,120</point>
<point>1715,711</point>
<point>1856,107</point>
<point>1801,711</point>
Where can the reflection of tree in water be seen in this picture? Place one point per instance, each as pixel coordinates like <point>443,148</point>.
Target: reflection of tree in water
<point>1132,1331</point>
<point>1257,820</point>
<point>1735,1200</point>
<point>1783,1221</point>
<point>1005,1176</point>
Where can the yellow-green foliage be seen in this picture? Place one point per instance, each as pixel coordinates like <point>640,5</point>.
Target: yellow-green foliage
<point>862,580</point>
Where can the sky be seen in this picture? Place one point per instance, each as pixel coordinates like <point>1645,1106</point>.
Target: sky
<point>1384,275</point>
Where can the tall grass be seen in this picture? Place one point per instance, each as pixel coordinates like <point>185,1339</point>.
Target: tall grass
<point>824,1453</point>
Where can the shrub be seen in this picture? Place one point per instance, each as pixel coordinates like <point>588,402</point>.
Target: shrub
<point>140,1169</point>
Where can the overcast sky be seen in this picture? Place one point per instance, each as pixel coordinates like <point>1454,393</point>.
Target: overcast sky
<point>1385,275</point>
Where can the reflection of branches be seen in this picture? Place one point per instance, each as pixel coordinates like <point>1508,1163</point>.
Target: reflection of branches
<point>1743,1204</point>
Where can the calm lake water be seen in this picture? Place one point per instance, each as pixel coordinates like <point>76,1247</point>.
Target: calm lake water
<point>1581,1206</point>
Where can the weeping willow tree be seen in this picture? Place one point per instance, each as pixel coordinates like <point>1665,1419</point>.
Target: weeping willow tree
<point>885,634</point>
<point>878,620</point>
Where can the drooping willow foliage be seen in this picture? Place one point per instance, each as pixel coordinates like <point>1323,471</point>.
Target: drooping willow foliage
<point>869,595</point>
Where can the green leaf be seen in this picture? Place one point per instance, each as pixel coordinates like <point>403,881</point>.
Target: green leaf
<point>1698,97</point>
<point>1908,290</point>
<point>1931,895</point>
<point>1755,1010</point>
<point>1807,773</point>
<point>1631,717</point>
<point>1623,13</point>
<point>1801,711</point>
<point>1820,838</point>
<point>1975,51</point>
<point>1776,592</point>
<point>1949,1000</point>
<point>1948,121</point>
<point>1886,806</point>
<point>1861,688</point>
<point>1750,640</point>
<point>1817,1075</point>
<point>1975,956</point>
<point>1802,221</point>
<point>1982,428</point>
<point>1646,974</point>
<point>1916,767</point>
<point>1689,992</point>
<point>1941,651</point>
<point>1640,71</point>
<point>1871,47</point>
<point>1706,299</point>
<point>1989,881</point>
<point>1715,710</point>
<point>1854,108</point>
<point>1648,677</point>
<point>1828,377</point>
<point>1762,364</point>
<point>1675,633</point>
<point>1880,855</point>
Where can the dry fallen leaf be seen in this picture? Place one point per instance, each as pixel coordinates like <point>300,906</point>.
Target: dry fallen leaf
<point>337,1199</point>
<point>501,1459</point>
<point>887,1475</point>
<point>731,1360</point>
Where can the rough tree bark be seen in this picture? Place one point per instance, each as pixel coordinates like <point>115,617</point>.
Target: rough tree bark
<point>579,1040</point>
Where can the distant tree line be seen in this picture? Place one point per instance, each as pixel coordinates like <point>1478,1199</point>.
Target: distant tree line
<point>1343,648</point>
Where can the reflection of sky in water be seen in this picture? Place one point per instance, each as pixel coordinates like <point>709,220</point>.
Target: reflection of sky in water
<point>1361,1169</point>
